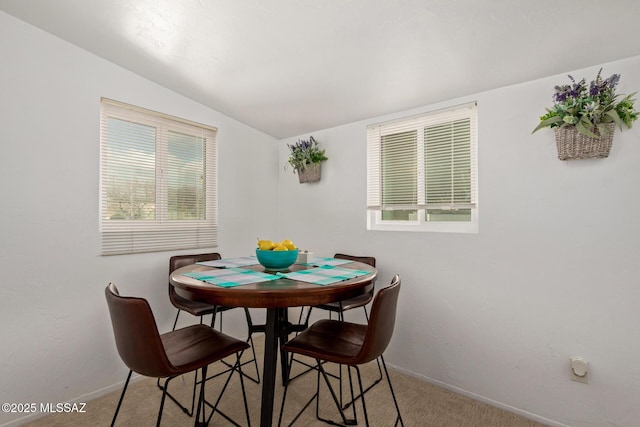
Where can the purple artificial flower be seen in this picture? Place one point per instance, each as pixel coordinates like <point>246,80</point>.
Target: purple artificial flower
<point>561,93</point>
<point>589,104</point>
<point>612,81</point>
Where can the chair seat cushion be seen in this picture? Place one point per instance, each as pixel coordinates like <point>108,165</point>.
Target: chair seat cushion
<point>198,345</point>
<point>196,308</point>
<point>329,340</point>
<point>348,304</point>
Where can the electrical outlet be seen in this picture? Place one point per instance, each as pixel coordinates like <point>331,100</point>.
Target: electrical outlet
<point>579,370</point>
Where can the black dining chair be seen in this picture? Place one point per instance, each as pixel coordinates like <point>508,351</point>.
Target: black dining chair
<point>145,351</point>
<point>201,309</point>
<point>348,344</point>
<point>340,307</point>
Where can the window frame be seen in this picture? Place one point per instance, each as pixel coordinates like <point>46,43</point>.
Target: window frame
<point>375,133</point>
<point>128,236</point>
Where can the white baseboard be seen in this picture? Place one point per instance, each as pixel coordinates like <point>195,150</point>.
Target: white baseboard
<point>118,386</point>
<point>82,398</point>
<point>480,398</point>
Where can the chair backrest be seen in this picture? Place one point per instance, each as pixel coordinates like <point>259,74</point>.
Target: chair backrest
<point>381,322</point>
<point>136,333</point>
<point>369,289</point>
<point>178,261</point>
<point>365,259</point>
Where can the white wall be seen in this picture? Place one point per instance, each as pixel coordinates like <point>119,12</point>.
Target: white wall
<point>56,342</point>
<point>553,272</point>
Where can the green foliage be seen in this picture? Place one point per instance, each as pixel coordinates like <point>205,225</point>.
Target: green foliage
<point>589,107</point>
<point>305,152</point>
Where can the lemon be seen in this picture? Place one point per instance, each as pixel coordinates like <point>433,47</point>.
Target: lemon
<point>288,244</point>
<point>268,245</point>
<point>265,245</point>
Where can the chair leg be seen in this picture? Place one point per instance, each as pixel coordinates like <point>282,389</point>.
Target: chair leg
<point>175,322</point>
<point>244,394</point>
<point>351,402</point>
<point>293,359</point>
<point>249,341</point>
<point>201,399</point>
<point>164,395</point>
<point>193,398</point>
<point>253,349</point>
<point>237,366</point>
<point>364,406</point>
<point>366,314</point>
<point>284,397</point>
<point>377,380</point>
<point>180,405</point>
<point>316,397</point>
<point>193,395</point>
<point>346,421</point>
<point>124,390</point>
<point>254,360</point>
<point>395,401</point>
<point>213,319</point>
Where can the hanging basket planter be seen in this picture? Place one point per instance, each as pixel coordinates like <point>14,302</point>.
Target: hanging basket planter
<point>584,116</point>
<point>305,157</point>
<point>310,173</point>
<point>573,145</point>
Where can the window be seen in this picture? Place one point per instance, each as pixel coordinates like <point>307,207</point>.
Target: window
<point>157,181</point>
<point>422,172</point>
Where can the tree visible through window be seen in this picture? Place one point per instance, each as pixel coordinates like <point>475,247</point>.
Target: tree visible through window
<point>186,177</point>
<point>157,181</point>
<point>129,170</point>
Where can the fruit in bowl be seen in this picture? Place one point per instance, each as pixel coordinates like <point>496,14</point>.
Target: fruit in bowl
<point>276,255</point>
<point>268,245</point>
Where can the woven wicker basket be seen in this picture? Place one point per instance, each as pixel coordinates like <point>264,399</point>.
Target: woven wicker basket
<point>311,173</point>
<point>573,145</point>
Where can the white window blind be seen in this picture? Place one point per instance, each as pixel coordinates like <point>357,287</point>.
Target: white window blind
<point>423,169</point>
<point>157,181</point>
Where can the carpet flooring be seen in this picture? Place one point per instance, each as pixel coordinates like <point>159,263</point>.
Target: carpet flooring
<point>421,403</point>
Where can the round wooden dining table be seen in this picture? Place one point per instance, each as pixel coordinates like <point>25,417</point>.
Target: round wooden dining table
<point>276,296</point>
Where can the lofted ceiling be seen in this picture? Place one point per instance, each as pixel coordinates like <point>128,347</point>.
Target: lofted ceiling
<point>290,67</point>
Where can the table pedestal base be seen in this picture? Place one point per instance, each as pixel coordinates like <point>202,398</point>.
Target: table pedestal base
<point>277,330</point>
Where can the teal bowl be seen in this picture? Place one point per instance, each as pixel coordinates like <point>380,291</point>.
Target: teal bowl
<point>276,260</point>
